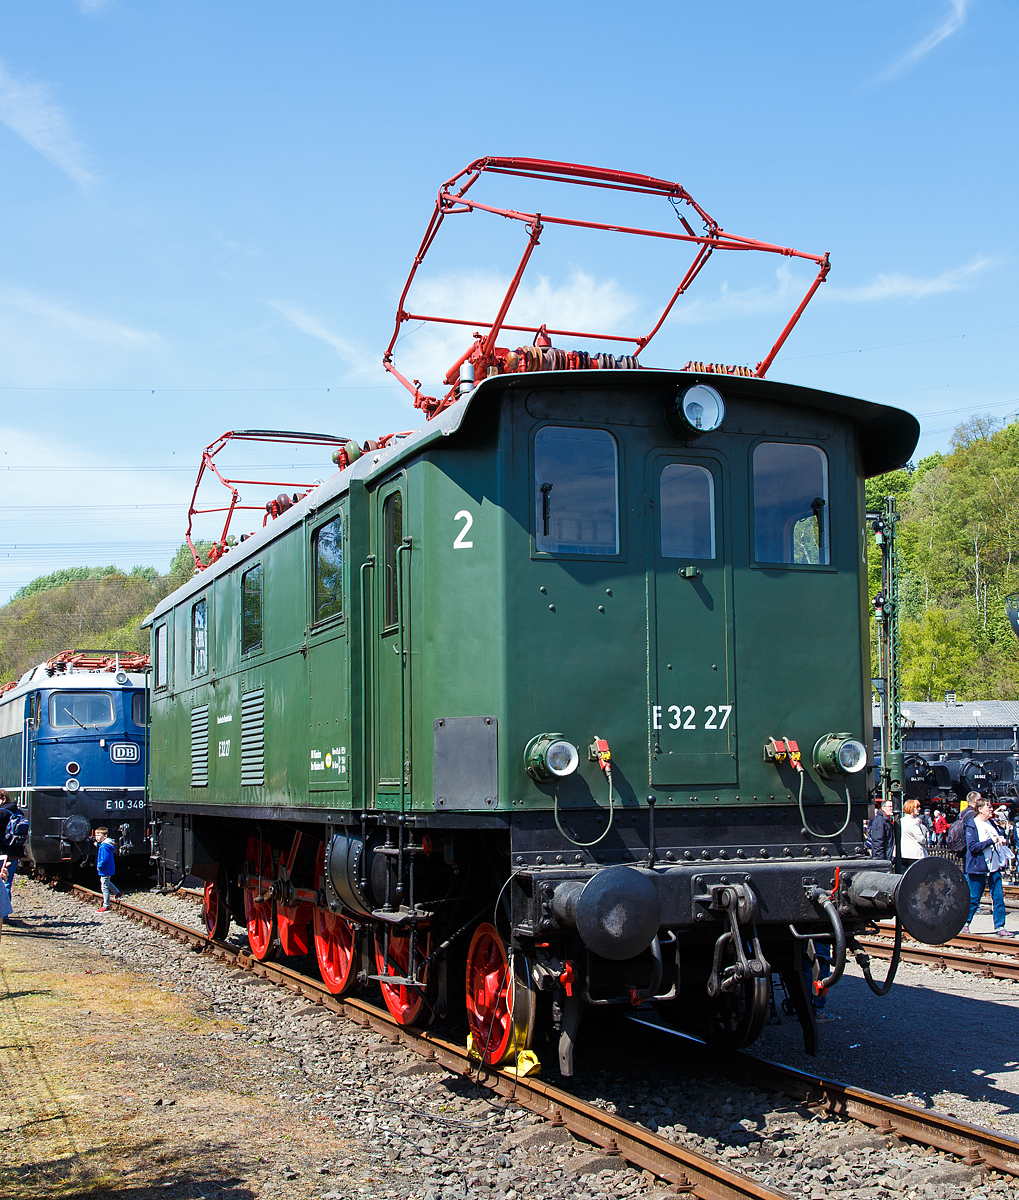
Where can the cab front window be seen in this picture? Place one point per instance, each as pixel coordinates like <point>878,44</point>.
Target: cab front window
<point>576,491</point>
<point>87,710</point>
<point>791,517</point>
<point>687,506</point>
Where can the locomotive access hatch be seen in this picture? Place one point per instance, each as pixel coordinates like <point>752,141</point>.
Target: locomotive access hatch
<point>691,702</point>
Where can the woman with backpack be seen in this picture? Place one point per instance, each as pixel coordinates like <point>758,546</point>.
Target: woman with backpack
<point>986,856</point>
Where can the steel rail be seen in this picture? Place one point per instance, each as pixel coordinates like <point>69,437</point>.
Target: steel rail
<point>685,1170</point>
<point>974,1144</point>
<point>954,955</point>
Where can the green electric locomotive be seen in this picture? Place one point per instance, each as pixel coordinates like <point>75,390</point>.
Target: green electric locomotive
<point>559,700</point>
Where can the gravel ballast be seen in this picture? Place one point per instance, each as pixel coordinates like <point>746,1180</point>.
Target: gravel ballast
<point>414,1131</point>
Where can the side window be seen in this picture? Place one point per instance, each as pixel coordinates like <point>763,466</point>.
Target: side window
<point>200,636</point>
<point>392,534</point>
<point>791,519</point>
<point>251,609</point>
<point>576,491</point>
<point>161,664</point>
<point>140,708</point>
<point>687,511</point>
<point>328,556</point>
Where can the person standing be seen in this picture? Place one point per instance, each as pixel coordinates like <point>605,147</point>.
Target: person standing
<point>881,834</point>
<point>5,900</point>
<point>940,827</point>
<point>13,831</point>
<point>105,866</point>
<point>913,833</point>
<point>986,856</point>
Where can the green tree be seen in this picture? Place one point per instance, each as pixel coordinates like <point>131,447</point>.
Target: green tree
<point>937,655</point>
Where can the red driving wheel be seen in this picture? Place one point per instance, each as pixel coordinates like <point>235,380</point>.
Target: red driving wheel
<point>215,912</point>
<point>491,999</point>
<point>260,914</point>
<point>335,942</point>
<point>405,1003</point>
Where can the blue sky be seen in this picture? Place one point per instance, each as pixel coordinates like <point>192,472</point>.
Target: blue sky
<point>207,212</point>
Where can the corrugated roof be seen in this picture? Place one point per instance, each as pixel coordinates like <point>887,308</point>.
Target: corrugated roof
<point>976,714</point>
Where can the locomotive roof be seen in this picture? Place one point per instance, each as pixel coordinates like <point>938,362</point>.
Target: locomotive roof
<point>37,677</point>
<point>888,437</point>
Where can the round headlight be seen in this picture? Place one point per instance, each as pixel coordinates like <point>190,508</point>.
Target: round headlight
<point>121,677</point>
<point>852,757</point>
<point>72,785</point>
<point>839,754</point>
<point>701,408</point>
<point>562,758</point>
<point>77,828</point>
<point>550,756</point>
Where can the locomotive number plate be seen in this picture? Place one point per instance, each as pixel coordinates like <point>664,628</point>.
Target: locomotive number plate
<point>124,752</point>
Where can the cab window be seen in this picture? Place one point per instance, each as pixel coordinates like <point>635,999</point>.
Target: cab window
<point>251,609</point>
<point>791,519</point>
<point>687,507</point>
<point>140,708</point>
<point>161,663</point>
<point>87,710</point>
<point>200,637</point>
<point>328,556</point>
<point>576,491</point>
<point>392,526</point>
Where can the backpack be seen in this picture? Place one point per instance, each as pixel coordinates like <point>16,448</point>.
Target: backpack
<point>17,831</point>
<point>956,840</point>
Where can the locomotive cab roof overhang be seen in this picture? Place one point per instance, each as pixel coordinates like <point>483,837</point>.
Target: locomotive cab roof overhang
<point>887,438</point>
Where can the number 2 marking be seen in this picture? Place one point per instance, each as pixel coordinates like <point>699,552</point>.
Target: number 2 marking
<point>710,723</point>
<point>689,708</point>
<point>459,543</point>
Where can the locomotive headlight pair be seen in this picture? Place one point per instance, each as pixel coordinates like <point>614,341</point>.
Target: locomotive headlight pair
<point>550,756</point>
<point>838,754</point>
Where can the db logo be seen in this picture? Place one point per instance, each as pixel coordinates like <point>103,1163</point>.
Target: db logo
<point>124,752</point>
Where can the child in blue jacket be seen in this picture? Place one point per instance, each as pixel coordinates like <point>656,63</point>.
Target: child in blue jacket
<point>105,866</point>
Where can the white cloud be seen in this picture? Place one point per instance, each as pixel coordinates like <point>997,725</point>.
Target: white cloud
<point>351,354</point>
<point>27,110</point>
<point>952,22</point>
<point>581,303</point>
<point>893,286</point>
<point>97,330</point>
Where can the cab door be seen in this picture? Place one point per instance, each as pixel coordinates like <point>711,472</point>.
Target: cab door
<point>692,714</point>
<point>391,750</point>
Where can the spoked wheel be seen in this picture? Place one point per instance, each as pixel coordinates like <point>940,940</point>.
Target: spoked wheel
<point>500,1001</point>
<point>335,944</point>
<point>261,914</point>
<point>215,912</point>
<point>740,1015</point>
<point>405,1003</point>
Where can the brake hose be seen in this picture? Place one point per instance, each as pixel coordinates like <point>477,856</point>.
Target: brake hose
<point>863,962</point>
<point>604,834</point>
<point>820,896</point>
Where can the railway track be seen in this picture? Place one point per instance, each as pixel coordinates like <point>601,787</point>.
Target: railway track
<point>976,953</point>
<point>685,1170</point>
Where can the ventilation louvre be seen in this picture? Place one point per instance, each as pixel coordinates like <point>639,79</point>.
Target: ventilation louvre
<point>200,746</point>
<point>253,739</point>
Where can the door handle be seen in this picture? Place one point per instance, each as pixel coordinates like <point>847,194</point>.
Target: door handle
<point>689,572</point>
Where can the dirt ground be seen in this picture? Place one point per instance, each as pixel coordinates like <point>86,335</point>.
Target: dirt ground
<point>112,1086</point>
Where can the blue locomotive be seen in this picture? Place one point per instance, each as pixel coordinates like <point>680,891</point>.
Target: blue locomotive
<point>74,754</point>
